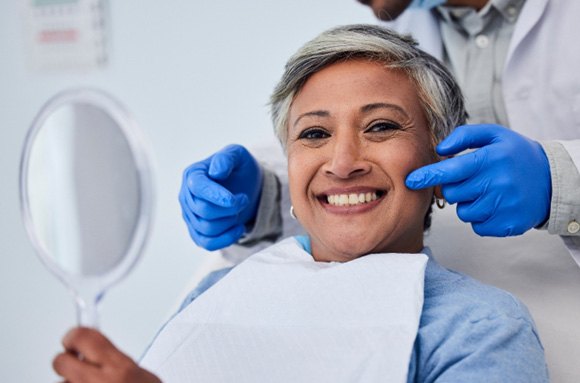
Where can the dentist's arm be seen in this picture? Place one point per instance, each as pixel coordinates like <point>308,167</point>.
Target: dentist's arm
<point>503,188</point>
<point>100,360</point>
<point>564,157</point>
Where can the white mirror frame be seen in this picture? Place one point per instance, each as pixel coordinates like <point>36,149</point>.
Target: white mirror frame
<point>88,290</point>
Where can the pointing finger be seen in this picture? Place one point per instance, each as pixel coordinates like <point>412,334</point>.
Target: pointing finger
<point>225,161</point>
<point>451,170</point>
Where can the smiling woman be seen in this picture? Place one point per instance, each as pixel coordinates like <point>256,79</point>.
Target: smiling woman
<point>356,129</point>
<point>357,110</point>
<point>359,298</point>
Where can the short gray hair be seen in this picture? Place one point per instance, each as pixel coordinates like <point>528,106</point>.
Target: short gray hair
<point>438,92</point>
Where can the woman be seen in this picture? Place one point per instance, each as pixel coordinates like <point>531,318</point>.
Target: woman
<point>357,109</point>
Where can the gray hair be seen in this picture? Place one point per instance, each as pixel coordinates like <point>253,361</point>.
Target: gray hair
<point>438,92</point>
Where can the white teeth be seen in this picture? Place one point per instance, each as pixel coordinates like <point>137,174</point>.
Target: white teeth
<point>351,199</point>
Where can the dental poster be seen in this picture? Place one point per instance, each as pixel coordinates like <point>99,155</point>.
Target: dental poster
<point>65,35</point>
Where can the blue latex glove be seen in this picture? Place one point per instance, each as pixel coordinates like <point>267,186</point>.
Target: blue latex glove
<point>503,189</point>
<point>219,195</point>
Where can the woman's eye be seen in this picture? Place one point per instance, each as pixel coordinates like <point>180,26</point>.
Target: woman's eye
<point>383,126</point>
<point>313,134</point>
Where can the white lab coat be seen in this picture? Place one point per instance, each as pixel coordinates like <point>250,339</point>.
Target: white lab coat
<point>541,85</point>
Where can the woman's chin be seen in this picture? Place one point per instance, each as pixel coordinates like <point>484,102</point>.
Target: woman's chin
<point>343,249</point>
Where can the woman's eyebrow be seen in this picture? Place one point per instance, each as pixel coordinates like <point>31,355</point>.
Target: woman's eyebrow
<point>316,113</point>
<point>381,105</point>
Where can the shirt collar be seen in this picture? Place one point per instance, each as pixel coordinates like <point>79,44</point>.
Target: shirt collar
<point>473,22</point>
<point>509,9</point>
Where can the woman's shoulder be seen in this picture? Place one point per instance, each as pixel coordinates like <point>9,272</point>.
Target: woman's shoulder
<point>446,289</point>
<point>474,332</point>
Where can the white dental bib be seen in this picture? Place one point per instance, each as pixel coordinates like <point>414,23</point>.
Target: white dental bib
<point>280,316</point>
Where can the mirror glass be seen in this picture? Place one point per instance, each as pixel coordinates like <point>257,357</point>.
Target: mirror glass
<point>86,193</point>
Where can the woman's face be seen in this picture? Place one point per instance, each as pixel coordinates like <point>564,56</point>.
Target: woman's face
<point>355,130</point>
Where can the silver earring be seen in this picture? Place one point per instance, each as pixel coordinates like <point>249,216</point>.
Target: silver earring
<point>292,212</point>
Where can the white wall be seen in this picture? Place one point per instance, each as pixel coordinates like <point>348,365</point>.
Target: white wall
<point>196,75</point>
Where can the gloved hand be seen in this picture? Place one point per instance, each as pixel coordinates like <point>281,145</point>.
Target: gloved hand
<point>503,189</point>
<point>219,195</point>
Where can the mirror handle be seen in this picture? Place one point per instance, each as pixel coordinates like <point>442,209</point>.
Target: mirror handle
<point>87,310</point>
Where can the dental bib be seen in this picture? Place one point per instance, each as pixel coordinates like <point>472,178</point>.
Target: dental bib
<point>280,316</point>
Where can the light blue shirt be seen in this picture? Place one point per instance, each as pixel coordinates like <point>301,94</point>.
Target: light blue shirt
<point>476,46</point>
<point>469,332</point>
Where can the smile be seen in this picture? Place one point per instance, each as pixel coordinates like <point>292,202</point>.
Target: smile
<point>353,199</point>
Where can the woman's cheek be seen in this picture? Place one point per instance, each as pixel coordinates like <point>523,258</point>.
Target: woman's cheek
<point>295,179</point>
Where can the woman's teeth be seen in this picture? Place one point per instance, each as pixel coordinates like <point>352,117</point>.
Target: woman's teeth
<point>351,199</point>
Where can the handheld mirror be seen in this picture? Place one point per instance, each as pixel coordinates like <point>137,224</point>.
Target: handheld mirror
<point>86,193</point>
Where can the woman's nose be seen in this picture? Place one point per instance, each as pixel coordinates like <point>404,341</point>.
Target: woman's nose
<point>347,159</point>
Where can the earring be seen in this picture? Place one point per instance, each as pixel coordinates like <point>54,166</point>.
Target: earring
<point>440,203</point>
<point>292,212</point>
